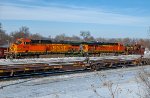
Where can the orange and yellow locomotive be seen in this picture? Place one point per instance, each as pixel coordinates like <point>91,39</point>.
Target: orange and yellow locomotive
<point>27,47</point>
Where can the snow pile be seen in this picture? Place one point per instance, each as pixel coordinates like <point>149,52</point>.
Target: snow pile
<point>62,60</point>
<point>147,52</point>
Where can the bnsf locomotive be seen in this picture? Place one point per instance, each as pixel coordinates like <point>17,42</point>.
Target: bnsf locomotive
<point>27,47</point>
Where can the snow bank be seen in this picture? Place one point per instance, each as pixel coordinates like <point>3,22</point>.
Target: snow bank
<point>80,85</point>
<point>65,60</point>
<point>147,53</point>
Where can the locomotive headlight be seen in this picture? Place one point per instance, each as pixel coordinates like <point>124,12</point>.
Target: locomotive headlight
<point>13,47</point>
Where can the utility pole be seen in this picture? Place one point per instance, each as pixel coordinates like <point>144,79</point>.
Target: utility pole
<point>149,32</point>
<point>1,31</point>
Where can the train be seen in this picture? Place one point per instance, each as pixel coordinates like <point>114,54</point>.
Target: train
<point>2,52</point>
<point>25,47</point>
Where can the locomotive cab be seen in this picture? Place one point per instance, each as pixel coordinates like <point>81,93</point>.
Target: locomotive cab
<point>22,41</point>
<point>18,42</point>
<point>18,46</point>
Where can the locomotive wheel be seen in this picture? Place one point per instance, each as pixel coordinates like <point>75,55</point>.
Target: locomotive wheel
<point>95,67</point>
<point>9,57</point>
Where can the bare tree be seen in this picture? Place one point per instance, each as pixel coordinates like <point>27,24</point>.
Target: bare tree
<point>24,31</point>
<point>113,89</point>
<point>3,36</point>
<point>36,36</point>
<point>60,37</point>
<point>101,39</point>
<point>112,40</point>
<point>86,35</point>
<point>75,38</point>
<point>127,41</point>
<point>1,32</point>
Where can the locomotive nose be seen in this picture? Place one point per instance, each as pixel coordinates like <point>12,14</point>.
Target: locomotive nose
<point>12,48</point>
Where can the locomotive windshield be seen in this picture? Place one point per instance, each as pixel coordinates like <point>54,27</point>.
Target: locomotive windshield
<point>18,42</point>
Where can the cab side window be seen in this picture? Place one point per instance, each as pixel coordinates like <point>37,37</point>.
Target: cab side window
<point>18,42</point>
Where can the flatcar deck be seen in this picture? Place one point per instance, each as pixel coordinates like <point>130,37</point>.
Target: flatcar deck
<point>28,66</point>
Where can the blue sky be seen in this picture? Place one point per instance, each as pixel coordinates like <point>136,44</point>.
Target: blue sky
<point>103,18</point>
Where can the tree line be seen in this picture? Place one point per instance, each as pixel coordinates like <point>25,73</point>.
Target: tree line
<point>24,32</point>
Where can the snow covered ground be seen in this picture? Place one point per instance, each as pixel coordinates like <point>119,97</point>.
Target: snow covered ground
<point>66,59</point>
<point>147,53</point>
<point>124,83</point>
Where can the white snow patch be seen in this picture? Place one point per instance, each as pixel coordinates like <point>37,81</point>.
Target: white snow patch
<point>80,85</point>
<point>11,62</point>
<point>147,53</point>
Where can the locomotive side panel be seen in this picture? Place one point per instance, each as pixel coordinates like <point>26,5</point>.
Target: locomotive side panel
<point>75,48</point>
<point>58,48</point>
<point>109,48</point>
<point>14,48</point>
<point>40,48</point>
<point>121,48</point>
<point>102,48</point>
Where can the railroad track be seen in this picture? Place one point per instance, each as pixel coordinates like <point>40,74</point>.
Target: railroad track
<point>41,74</point>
